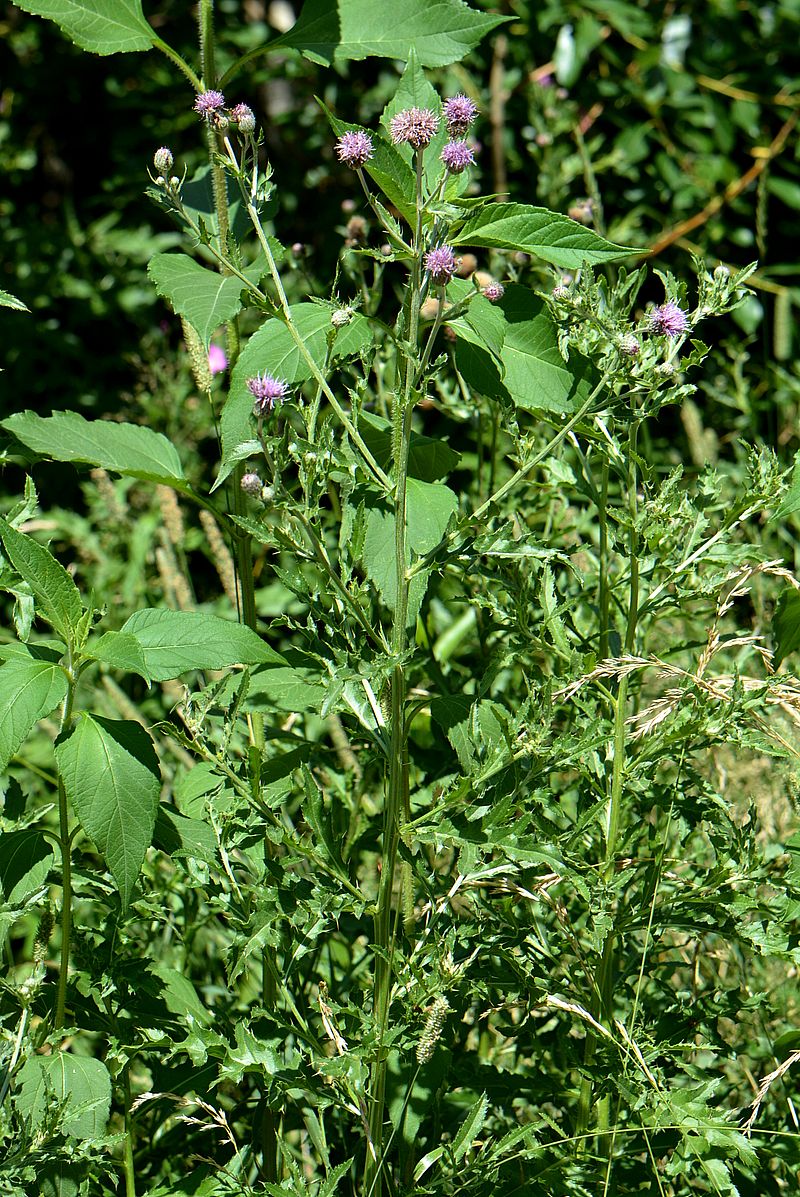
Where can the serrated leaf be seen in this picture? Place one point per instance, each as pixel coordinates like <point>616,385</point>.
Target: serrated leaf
<point>112,779</point>
<point>7,300</point>
<point>81,1083</point>
<point>176,835</point>
<point>204,297</point>
<point>99,26</point>
<point>123,448</point>
<point>470,1128</point>
<point>29,690</point>
<point>539,231</point>
<point>57,597</point>
<point>441,31</point>
<point>273,350</point>
<point>536,377</point>
<point>173,642</point>
<point>26,858</point>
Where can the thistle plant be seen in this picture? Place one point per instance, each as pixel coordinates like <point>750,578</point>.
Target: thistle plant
<point>412,870</point>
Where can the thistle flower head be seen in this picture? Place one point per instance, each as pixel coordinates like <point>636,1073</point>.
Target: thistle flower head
<point>243,117</point>
<point>417,126</point>
<point>493,291</point>
<point>441,263</point>
<point>668,320</point>
<point>266,392</point>
<point>629,345</point>
<point>457,156</point>
<point>459,113</point>
<point>251,484</point>
<point>209,103</point>
<point>354,149</point>
<point>162,160</point>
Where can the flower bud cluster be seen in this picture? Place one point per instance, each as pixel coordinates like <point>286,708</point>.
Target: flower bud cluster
<point>212,107</point>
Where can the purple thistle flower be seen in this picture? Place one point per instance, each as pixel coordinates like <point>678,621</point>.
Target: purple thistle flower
<point>441,263</point>
<point>209,103</point>
<point>417,126</point>
<point>266,392</point>
<point>457,156</point>
<point>354,149</point>
<point>243,117</point>
<point>459,113</point>
<point>668,320</point>
<point>217,360</point>
<point>493,291</point>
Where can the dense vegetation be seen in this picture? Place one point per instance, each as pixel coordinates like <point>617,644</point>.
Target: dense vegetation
<point>397,706</point>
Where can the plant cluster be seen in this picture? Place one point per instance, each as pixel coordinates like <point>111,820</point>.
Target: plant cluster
<point>422,858</point>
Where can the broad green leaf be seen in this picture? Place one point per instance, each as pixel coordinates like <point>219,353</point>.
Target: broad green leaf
<point>120,650</point>
<point>536,377</point>
<point>482,324</point>
<point>99,26</point>
<point>81,1084</point>
<point>292,687</point>
<point>790,502</point>
<point>29,690</point>
<point>441,31</point>
<point>387,168</point>
<point>111,775</point>
<point>58,599</point>
<point>273,350</point>
<point>428,459</point>
<point>123,448</point>
<point>173,642</point>
<point>7,300</point>
<point>206,298</point>
<point>539,231</point>
<point>429,508</point>
<point>180,995</point>
<point>26,858</point>
<point>176,835</point>
<point>786,625</point>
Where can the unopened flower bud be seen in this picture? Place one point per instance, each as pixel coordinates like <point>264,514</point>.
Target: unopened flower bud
<point>174,182</point>
<point>251,484</point>
<point>721,272</point>
<point>356,230</point>
<point>162,160</point>
<point>629,345</point>
<point>493,291</point>
<point>243,117</point>
<point>341,317</point>
<point>560,292</point>
<point>666,370</point>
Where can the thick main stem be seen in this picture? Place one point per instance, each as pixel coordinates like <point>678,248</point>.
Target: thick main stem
<point>65,844</point>
<point>396,806</point>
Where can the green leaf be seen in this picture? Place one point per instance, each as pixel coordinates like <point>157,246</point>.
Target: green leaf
<point>111,775</point>
<point>81,1083</point>
<point>7,300</point>
<point>441,31</point>
<point>58,598</point>
<point>536,377</point>
<point>791,500</point>
<point>29,690</point>
<point>206,298</point>
<point>429,508</point>
<point>294,687</point>
<point>470,1128</point>
<point>180,995</point>
<point>539,231</point>
<point>99,26</point>
<point>26,858</point>
<point>123,448</point>
<point>173,642</point>
<point>428,459</point>
<point>273,350</point>
<point>786,625</point>
<point>176,835</point>
<point>120,650</point>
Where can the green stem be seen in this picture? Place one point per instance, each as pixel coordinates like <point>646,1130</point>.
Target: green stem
<point>127,1158</point>
<point>604,596</point>
<point>175,57</point>
<point>65,843</point>
<point>396,809</point>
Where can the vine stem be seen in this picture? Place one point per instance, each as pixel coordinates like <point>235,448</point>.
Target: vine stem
<point>396,809</point>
